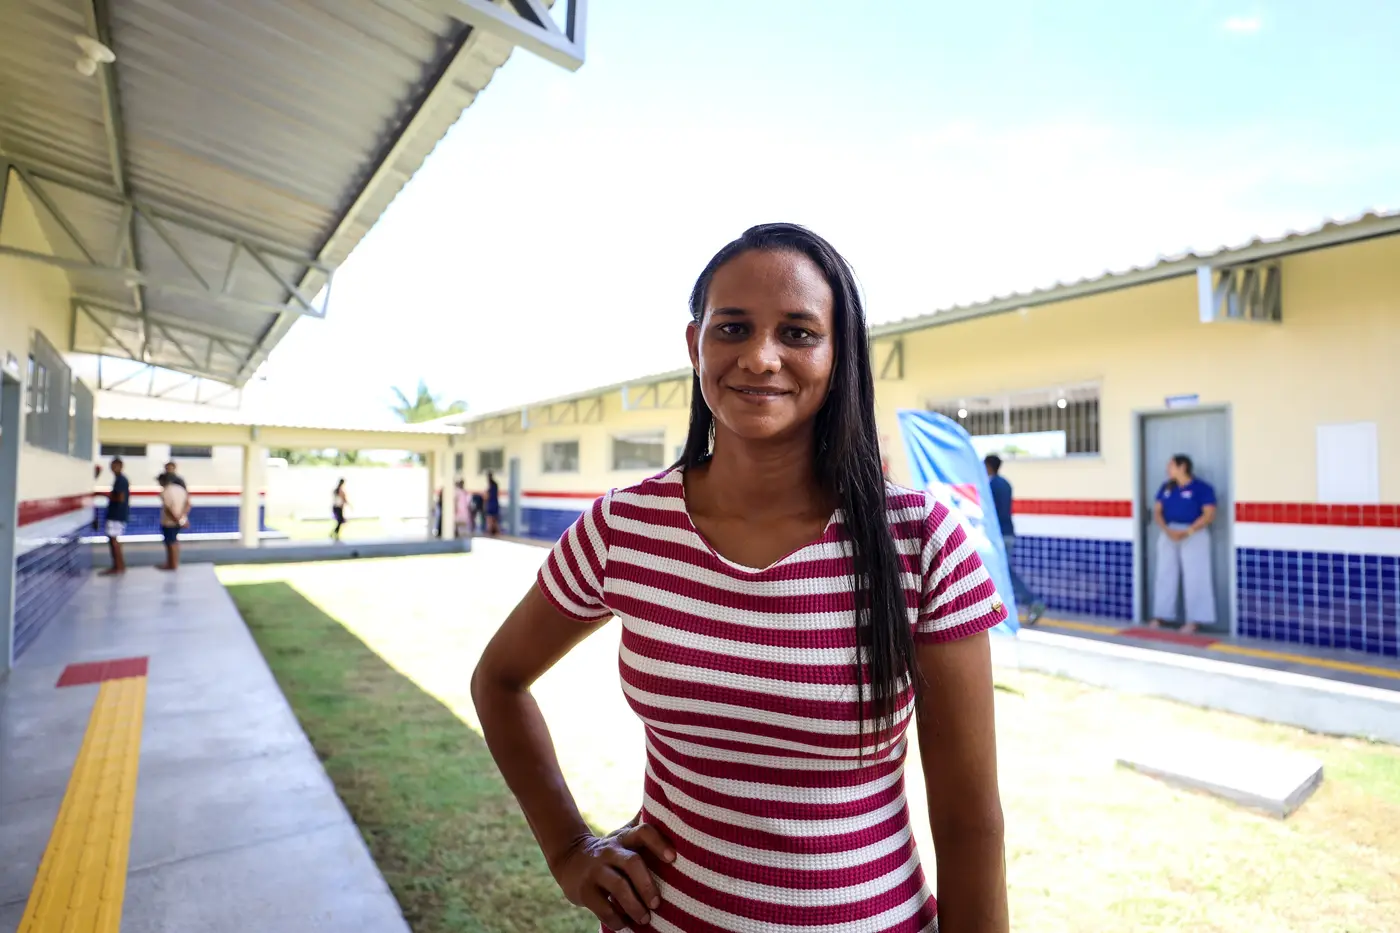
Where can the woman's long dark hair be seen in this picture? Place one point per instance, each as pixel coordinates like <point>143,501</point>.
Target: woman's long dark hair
<point>848,466</point>
<point>1184,462</point>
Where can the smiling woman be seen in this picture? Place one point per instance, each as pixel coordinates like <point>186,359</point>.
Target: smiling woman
<point>786,616</point>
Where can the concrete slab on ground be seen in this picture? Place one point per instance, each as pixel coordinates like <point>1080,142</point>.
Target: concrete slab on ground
<point>236,825</point>
<point>1273,781</point>
<point>1311,702</point>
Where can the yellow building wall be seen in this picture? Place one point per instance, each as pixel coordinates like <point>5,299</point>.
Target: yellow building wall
<point>34,296</point>
<point>595,474</point>
<point>1334,358</point>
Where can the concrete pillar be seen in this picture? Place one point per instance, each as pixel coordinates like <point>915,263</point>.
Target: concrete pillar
<point>11,425</point>
<point>254,463</point>
<point>514,523</point>
<point>440,478</point>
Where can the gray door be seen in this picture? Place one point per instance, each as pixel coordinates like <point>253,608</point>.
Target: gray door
<point>9,509</point>
<point>1204,436</point>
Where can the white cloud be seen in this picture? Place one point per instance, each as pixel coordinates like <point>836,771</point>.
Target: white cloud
<point>1243,24</point>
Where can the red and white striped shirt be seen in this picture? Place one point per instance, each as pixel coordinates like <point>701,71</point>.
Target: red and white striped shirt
<point>744,682</point>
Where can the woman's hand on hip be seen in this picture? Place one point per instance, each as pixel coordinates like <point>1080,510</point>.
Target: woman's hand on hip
<point>609,876</point>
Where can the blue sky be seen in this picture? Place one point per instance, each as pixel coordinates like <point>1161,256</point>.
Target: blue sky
<point>953,151</point>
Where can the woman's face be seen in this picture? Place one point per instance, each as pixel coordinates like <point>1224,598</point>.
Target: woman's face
<point>765,348</point>
<point>1174,471</point>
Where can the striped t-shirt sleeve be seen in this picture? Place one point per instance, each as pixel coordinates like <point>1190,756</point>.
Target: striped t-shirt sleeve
<point>959,597</point>
<point>573,575</point>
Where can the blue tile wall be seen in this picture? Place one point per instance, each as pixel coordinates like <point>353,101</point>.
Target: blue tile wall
<point>45,578</point>
<point>547,524</point>
<point>204,519</point>
<point>1330,600</point>
<point>1347,601</point>
<point>1079,576</point>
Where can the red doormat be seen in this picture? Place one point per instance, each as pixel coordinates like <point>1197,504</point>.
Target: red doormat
<point>1169,635</point>
<point>93,672</point>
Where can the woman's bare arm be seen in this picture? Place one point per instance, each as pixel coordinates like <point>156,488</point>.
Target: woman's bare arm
<point>590,870</point>
<point>957,745</point>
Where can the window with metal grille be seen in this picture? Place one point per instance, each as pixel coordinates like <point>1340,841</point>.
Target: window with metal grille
<point>123,450</point>
<point>458,462</point>
<point>1062,421</point>
<point>639,452</point>
<point>490,461</point>
<point>81,420</point>
<point>48,417</point>
<point>561,457</point>
<point>190,452</point>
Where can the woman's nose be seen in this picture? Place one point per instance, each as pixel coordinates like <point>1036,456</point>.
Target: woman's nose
<point>760,356</point>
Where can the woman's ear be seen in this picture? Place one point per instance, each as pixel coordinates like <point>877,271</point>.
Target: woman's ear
<point>692,342</point>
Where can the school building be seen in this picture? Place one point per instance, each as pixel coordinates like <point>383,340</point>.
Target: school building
<point>1274,365</point>
<point>176,192</point>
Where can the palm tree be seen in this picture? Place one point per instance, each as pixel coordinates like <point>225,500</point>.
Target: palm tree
<point>425,406</point>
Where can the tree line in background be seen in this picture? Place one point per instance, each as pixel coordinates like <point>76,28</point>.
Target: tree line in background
<point>423,406</point>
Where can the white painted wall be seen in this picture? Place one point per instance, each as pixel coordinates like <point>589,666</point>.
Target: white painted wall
<point>35,297</point>
<point>392,492</point>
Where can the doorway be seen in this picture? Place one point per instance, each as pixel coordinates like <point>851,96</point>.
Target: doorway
<point>10,413</point>
<point>1203,434</point>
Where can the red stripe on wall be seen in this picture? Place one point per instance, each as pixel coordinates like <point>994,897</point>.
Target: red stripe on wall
<point>559,495</point>
<point>1091,508</point>
<point>36,510</point>
<point>194,491</point>
<point>1314,513</point>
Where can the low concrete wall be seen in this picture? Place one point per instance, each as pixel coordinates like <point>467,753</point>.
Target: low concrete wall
<point>221,552</point>
<point>1312,703</point>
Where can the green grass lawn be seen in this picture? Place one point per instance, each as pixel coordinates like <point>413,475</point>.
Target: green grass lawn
<point>375,658</point>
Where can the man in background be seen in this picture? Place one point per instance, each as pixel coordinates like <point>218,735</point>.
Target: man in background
<point>174,514</point>
<point>175,477</point>
<point>118,514</point>
<point>1001,498</point>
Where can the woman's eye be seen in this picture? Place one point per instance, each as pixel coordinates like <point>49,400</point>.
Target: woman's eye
<point>799,333</point>
<point>731,329</point>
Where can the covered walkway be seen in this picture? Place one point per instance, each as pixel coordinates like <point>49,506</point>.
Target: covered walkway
<point>233,824</point>
<point>257,433</point>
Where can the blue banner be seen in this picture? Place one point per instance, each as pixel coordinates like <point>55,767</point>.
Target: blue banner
<point>946,466</point>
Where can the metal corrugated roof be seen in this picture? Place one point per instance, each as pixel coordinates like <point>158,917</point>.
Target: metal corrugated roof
<point>1330,232</point>
<point>287,126</point>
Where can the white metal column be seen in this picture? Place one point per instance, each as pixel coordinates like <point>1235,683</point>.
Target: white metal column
<point>254,461</point>
<point>10,429</point>
<point>440,478</point>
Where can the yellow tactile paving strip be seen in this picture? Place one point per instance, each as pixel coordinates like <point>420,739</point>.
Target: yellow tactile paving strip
<point>1225,648</point>
<point>82,878</point>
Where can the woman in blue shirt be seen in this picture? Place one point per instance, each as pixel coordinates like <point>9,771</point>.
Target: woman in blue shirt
<point>1184,509</point>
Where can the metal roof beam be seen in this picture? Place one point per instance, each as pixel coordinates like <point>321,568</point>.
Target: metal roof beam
<point>133,276</point>
<point>526,24</point>
<point>182,218</point>
<point>98,18</point>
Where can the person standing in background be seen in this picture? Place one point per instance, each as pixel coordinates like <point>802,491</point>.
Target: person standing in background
<point>1184,509</point>
<point>1002,499</point>
<point>493,505</point>
<point>118,514</point>
<point>175,477</point>
<point>174,515</point>
<point>338,503</point>
<point>462,507</point>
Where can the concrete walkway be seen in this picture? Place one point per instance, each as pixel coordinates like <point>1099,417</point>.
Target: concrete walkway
<point>235,825</point>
